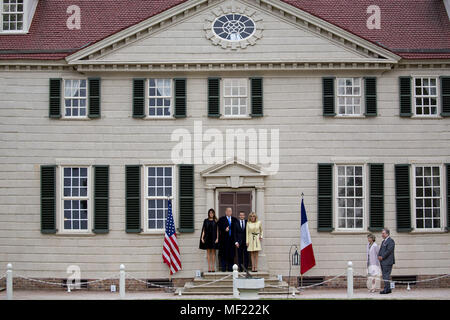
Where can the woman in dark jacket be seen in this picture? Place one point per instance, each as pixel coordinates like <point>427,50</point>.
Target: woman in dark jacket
<point>209,239</point>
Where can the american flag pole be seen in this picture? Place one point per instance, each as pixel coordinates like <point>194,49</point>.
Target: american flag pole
<point>171,252</point>
<point>169,203</point>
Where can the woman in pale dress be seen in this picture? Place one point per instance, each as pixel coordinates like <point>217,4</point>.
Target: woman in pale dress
<point>254,237</point>
<point>373,264</point>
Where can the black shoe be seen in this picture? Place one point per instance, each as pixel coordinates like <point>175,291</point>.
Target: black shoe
<point>383,292</point>
<point>390,291</point>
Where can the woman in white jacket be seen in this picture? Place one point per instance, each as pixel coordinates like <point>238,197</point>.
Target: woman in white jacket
<point>373,264</point>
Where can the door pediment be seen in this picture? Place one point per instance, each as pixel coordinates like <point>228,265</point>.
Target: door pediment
<point>234,174</point>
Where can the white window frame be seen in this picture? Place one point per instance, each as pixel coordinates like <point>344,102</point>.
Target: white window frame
<point>414,96</point>
<point>145,198</point>
<point>64,99</point>
<point>364,196</point>
<point>361,96</point>
<point>147,99</point>
<point>442,193</point>
<point>89,199</point>
<point>223,97</point>
<point>23,30</point>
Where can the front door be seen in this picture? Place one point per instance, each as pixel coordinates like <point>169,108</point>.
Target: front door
<point>237,201</point>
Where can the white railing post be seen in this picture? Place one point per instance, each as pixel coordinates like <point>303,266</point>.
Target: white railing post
<point>350,280</point>
<point>122,282</point>
<point>9,282</point>
<point>235,277</point>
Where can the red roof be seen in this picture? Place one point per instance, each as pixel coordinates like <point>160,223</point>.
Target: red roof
<point>413,29</point>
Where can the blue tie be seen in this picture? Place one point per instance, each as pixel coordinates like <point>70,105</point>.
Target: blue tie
<point>229,223</point>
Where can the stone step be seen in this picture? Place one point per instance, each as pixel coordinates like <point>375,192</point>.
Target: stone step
<point>225,286</point>
<point>229,281</point>
<point>230,293</point>
<point>218,275</point>
<point>214,287</point>
<point>229,284</point>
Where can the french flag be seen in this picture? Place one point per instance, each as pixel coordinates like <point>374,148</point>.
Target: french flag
<point>307,260</point>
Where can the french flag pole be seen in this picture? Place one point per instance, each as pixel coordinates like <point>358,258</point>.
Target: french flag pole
<point>307,260</point>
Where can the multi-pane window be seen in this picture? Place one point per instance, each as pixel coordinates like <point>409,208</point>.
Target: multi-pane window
<point>75,98</point>
<point>425,96</point>
<point>75,198</point>
<point>428,197</point>
<point>159,97</point>
<point>235,97</point>
<point>350,196</point>
<point>12,15</point>
<point>349,96</point>
<point>159,191</point>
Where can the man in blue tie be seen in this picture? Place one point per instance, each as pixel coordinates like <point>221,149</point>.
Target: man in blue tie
<point>227,240</point>
<point>387,259</point>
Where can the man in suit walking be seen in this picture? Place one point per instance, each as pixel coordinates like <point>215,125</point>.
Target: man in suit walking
<point>387,259</point>
<point>227,240</point>
<point>241,244</point>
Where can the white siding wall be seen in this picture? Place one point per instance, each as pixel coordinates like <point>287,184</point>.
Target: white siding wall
<point>186,41</point>
<point>292,103</point>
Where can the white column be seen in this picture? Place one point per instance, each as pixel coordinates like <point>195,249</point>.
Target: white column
<point>261,217</point>
<point>210,202</point>
<point>9,282</point>
<point>235,277</point>
<point>122,282</point>
<point>350,280</point>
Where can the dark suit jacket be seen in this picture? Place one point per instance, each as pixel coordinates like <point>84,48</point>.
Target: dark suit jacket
<point>224,238</point>
<point>241,234</point>
<point>387,252</point>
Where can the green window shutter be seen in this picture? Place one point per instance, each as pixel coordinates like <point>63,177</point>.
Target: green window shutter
<point>445,96</point>
<point>101,199</point>
<point>48,199</point>
<point>370,86</point>
<point>133,199</point>
<point>256,97</point>
<point>138,98</point>
<point>447,166</point>
<point>55,98</point>
<point>403,197</point>
<point>376,197</point>
<point>325,197</point>
<point>94,97</point>
<point>186,198</point>
<point>328,97</point>
<point>213,97</point>
<point>405,97</point>
<point>180,98</point>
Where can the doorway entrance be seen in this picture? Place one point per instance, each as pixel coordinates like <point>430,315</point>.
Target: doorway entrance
<point>237,201</point>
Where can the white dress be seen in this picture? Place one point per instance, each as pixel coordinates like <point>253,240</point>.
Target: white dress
<point>373,267</point>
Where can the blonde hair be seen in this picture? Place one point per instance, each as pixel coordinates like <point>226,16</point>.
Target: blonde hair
<point>252,214</point>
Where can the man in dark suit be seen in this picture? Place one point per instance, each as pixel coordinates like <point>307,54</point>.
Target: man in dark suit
<point>387,259</point>
<point>227,240</point>
<point>241,239</point>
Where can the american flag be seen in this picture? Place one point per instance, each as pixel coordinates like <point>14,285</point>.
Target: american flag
<point>171,252</point>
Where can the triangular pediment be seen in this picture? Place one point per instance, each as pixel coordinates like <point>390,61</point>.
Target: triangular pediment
<point>233,167</point>
<point>182,35</point>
